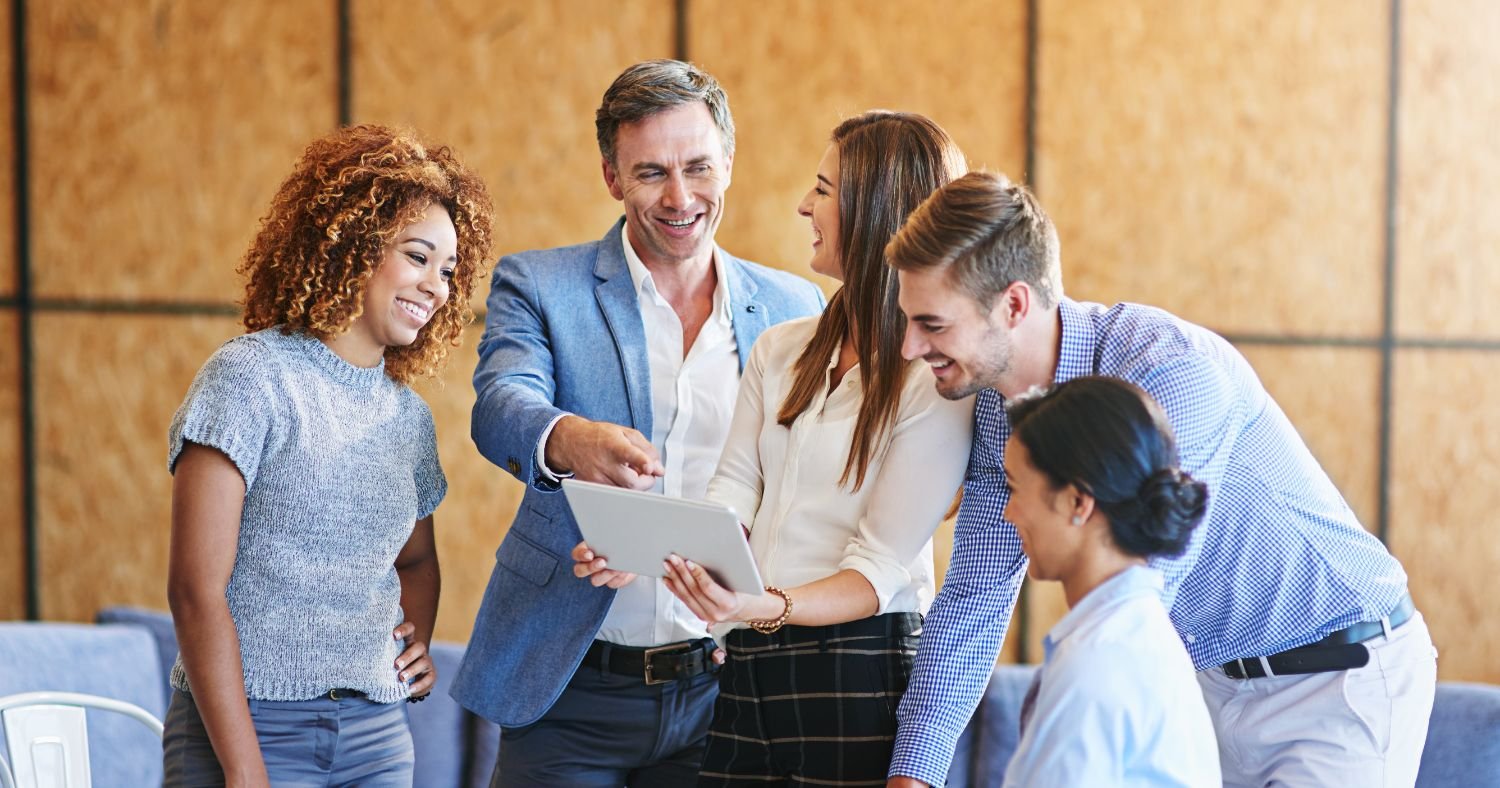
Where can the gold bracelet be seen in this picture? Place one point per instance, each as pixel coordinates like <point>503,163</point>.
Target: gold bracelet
<point>768,626</point>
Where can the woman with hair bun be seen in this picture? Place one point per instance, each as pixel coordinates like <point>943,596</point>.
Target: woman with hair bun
<point>1095,493</point>
<point>303,577</point>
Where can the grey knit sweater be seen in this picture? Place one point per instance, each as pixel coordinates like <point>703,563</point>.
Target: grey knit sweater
<point>339,463</point>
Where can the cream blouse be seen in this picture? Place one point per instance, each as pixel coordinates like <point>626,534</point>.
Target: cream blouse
<point>784,483</point>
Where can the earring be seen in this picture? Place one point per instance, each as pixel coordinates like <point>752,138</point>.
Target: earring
<point>1077,520</point>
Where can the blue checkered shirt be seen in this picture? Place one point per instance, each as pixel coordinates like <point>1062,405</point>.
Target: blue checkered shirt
<point>1279,562</point>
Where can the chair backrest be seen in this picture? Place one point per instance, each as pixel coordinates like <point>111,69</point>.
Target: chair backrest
<point>110,662</point>
<point>46,737</point>
<point>1463,737</point>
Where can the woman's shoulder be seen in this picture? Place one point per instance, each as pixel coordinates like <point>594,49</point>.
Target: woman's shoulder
<point>786,338</point>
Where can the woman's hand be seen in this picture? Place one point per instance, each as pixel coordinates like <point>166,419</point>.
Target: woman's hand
<point>712,602</point>
<point>414,664</point>
<point>596,569</point>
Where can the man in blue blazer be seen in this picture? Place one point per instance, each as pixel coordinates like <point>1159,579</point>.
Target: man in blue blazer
<point>615,361</point>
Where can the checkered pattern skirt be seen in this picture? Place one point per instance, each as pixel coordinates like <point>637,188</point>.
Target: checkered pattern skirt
<point>811,705</point>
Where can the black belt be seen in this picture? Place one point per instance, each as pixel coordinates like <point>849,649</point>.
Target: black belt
<point>342,694</point>
<point>1341,650</point>
<point>656,665</point>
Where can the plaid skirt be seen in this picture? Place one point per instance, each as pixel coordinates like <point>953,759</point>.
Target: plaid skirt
<point>811,705</point>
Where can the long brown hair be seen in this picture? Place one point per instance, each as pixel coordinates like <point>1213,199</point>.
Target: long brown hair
<point>888,163</point>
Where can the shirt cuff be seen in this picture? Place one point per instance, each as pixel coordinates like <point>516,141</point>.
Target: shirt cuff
<point>926,759</point>
<point>884,575</point>
<point>541,452</point>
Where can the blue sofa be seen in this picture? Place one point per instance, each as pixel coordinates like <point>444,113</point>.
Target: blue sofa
<point>128,655</point>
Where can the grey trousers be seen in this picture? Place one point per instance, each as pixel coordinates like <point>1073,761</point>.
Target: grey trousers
<point>320,742</point>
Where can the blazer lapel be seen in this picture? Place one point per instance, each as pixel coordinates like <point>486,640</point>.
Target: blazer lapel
<point>622,312</point>
<point>750,316</point>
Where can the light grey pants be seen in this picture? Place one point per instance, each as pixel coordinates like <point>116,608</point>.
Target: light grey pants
<point>319,742</point>
<point>1360,727</point>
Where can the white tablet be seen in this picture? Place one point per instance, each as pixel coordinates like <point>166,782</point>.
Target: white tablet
<point>636,531</point>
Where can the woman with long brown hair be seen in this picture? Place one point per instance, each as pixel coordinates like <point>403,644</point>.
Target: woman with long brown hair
<point>841,461</point>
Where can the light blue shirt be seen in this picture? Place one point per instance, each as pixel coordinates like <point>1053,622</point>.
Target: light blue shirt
<point>1118,703</point>
<point>1279,561</point>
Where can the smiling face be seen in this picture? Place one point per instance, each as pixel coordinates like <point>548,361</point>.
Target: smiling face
<point>410,285</point>
<point>1042,515</point>
<point>821,206</point>
<point>967,346</point>
<point>670,171</point>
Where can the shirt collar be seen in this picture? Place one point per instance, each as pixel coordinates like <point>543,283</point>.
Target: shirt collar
<point>1134,581</point>
<point>645,286</point>
<point>1076,357</point>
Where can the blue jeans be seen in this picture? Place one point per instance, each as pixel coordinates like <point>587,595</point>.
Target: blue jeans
<point>319,742</point>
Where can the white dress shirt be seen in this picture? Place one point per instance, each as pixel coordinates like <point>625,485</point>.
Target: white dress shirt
<point>692,400</point>
<point>784,482</point>
<point>1117,701</point>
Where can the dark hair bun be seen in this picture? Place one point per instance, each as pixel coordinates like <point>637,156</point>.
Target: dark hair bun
<point>1172,504</point>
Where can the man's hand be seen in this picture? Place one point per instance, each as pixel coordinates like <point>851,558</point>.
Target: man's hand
<point>597,451</point>
<point>905,782</point>
<point>596,569</point>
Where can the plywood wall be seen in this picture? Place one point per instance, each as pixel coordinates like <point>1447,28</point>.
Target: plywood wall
<point>106,388</point>
<point>1224,161</point>
<point>159,132</point>
<point>13,479</point>
<point>7,155</point>
<point>1448,235</point>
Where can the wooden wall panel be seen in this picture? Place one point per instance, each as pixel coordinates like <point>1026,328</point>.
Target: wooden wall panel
<point>794,70</point>
<point>160,131</point>
<point>1448,235</point>
<point>482,499</point>
<point>12,473</point>
<point>1222,160</point>
<point>514,91</point>
<point>7,157</point>
<point>1332,396</point>
<point>1444,501</point>
<point>106,389</point>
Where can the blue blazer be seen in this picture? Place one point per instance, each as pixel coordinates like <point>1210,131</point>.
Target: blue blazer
<point>564,335</point>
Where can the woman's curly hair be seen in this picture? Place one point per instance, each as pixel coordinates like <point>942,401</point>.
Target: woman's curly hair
<point>329,227</point>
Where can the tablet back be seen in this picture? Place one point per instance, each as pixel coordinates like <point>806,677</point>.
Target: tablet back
<point>636,531</point>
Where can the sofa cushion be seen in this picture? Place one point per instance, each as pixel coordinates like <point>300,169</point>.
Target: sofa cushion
<point>117,662</point>
<point>157,623</point>
<point>1463,738</point>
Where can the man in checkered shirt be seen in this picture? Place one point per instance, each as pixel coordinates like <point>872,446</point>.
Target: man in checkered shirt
<point>1315,666</point>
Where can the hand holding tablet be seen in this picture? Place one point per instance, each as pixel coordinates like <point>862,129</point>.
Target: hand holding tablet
<point>637,531</point>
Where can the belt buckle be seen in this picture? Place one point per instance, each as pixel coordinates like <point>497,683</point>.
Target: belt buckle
<point>670,648</point>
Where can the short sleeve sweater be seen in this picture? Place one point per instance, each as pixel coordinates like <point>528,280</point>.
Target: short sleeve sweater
<point>339,463</point>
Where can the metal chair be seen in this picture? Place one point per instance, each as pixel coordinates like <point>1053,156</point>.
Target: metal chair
<point>46,734</point>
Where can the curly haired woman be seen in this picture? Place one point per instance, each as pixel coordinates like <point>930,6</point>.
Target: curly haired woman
<point>304,579</point>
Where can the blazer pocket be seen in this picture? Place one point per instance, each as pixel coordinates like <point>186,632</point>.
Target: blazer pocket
<point>527,559</point>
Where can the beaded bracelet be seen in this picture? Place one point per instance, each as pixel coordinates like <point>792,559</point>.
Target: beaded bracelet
<point>768,626</point>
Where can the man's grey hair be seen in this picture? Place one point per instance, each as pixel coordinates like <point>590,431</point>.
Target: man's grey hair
<point>655,86</point>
